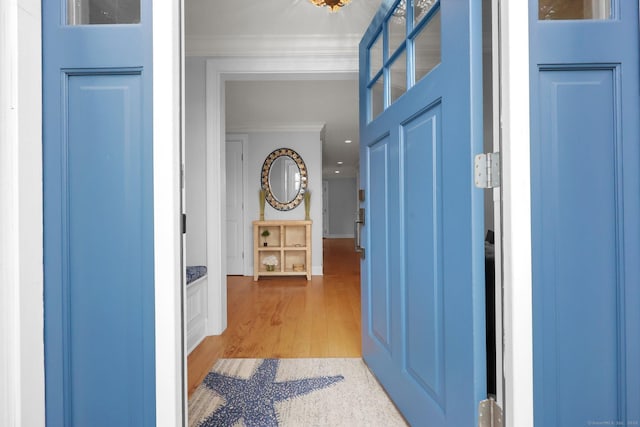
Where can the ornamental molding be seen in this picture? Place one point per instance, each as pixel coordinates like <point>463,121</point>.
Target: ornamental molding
<point>268,127</point>
<point>273,45</point>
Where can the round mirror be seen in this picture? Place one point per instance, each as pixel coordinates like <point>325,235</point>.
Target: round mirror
<point>284,179</point>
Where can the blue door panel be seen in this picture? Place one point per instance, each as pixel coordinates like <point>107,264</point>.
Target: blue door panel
<point>423,270</point>
<point>99,331</point>
<point>585,177</point>
<point>379,240</point>
<point>577,323</point>
<point>105,311</point>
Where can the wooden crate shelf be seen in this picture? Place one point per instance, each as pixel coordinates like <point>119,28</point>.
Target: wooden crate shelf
<point>289,242</point>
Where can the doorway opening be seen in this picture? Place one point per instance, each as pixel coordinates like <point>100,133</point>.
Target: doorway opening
<point>216,73</point>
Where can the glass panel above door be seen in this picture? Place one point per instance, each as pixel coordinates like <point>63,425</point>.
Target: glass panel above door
<point>574,9</point>
<point>99,12</point>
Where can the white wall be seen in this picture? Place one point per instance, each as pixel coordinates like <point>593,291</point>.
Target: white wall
<point>307,144</point>
<point>342,206</point>
<point>195,159</point>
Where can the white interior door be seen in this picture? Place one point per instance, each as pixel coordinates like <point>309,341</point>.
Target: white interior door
<point>235,208</point>
<point>325,208</point>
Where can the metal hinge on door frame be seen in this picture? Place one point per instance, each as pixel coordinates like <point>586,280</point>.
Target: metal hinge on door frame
<point>487,170</point>
<point>489,413</point>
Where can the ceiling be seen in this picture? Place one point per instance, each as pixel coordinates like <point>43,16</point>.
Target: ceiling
<point>212,25</point>
<point>275,17</point>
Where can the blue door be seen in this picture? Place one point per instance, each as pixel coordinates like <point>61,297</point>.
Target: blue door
<point>423,269</point>
<point>585,174</point>
<point>98,213</point>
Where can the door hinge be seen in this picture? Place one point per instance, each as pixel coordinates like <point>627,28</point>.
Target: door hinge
<point>487,170</point>
<point>489,413</point>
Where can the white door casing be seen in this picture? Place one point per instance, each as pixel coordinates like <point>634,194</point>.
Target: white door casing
<point>514,117</point>
<point>218,71</point>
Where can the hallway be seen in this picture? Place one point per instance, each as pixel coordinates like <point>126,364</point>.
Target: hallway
<point>289,317</point>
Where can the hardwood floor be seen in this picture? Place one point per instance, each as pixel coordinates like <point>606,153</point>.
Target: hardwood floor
<point>287,317</point>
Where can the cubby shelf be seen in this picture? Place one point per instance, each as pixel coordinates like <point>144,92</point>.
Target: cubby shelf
<point>289,242</point>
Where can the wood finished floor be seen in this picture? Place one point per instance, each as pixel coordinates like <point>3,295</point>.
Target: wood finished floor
<point>289,317</point>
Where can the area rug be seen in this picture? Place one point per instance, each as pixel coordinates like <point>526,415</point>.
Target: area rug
<point>291,392</point>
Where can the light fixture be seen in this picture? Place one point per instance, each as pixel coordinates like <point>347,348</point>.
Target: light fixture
<point>347,141</point>
<point>333,5</point>
<point>337,171</point>
<point>340,163</point>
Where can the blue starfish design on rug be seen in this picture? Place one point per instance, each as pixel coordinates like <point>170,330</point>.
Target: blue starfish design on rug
<point>253,399</point>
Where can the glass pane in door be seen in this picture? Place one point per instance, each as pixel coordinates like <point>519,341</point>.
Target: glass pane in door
<point>375,57</point>
<point>397,27</point>
<point>96,12</point>
<point>421,8</point>
<point>574,9</point>
<point>427,47</point>
<point>376,96</point>
<point>398,77</point>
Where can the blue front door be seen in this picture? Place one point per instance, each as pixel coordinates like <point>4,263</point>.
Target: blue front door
<point>585,174</point>
<point>423,271</point>
<point>98,213</point>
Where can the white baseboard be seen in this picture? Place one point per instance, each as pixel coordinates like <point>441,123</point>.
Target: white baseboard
<point>338,236</point>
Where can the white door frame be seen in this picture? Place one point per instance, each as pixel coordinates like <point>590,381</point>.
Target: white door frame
<point>168,134</point>
<point>516,212</point>
<point>218,71</point>
<point>21,273</point>
<point>21,195</point>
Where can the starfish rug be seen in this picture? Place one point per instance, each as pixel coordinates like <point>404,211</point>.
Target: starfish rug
<point>291,392</point>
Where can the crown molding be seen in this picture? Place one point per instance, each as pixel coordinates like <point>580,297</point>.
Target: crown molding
<point>276,127</point>
<point>273,45</point>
